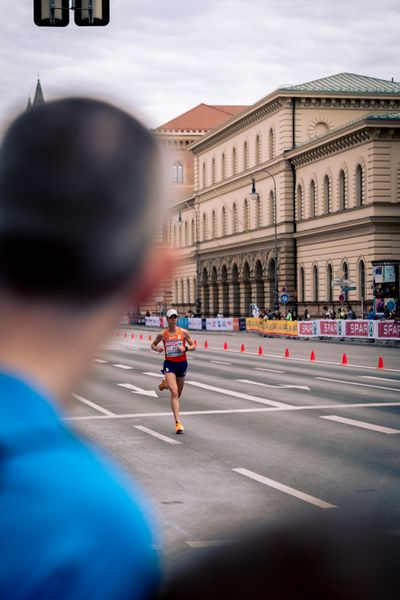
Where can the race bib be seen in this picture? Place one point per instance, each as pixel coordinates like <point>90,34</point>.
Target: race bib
<point>172,348</point>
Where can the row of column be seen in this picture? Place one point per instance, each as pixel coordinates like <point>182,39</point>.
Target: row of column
<point>234,298</point>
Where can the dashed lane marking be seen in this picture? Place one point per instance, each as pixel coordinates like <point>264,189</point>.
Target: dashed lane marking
<point>100,360</point>
<point>279,386</point>
<point>379,378</point>
<point>155,434</point>
<point>268,370</point>
<point>93,405</point>
<point>123,367</point>
<point>378,387</point>
<point>220,362</point>
<point>284,488</point>
<point>362,425</point>
<point>219,390</point>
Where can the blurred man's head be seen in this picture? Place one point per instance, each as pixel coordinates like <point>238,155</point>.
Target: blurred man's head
<point>76,202</point>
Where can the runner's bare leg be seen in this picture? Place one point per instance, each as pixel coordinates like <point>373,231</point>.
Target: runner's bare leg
<point>173,388</point>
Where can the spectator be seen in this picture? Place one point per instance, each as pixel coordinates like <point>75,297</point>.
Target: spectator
<point>306,314</point>
<point>77,207</point>
<point>289,315</point>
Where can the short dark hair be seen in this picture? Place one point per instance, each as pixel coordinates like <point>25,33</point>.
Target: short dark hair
<point>75,201</point>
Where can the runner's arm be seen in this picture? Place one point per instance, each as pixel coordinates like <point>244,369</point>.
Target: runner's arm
<point>191,345</point>
<point>157,340</point>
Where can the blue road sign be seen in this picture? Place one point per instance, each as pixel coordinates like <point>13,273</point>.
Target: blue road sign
<point>284,298</point>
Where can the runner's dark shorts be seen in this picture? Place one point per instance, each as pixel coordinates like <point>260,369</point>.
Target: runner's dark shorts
<point>179,368</point>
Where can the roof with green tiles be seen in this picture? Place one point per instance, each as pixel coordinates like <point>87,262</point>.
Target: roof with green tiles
<point>388,117</point>
<point>348,83</point>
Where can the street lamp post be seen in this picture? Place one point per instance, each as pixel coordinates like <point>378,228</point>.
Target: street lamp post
<point>254,196</point>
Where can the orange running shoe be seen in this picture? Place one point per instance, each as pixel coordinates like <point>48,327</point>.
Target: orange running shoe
<point>179,428</point>
<point>163,385</point>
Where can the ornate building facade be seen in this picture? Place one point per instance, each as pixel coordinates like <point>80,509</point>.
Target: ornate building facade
<point>323,162</point>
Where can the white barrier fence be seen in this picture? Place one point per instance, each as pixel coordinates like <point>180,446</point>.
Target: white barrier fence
<point>382,330</point>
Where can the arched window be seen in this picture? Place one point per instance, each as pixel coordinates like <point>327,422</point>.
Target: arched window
<point>177,173</point>
<point>329,283</point>
<point>234,218</point>
<point>360,199</point>
<point>213,171</point>
<point>224,222</point>
<point>246,215</point>
<point>205,236</point>
<point>258,150</point>
<point>327,196</point>
<point>345,269</point>
<point>213,225</point>
<point>245,156</point>
<point>342,190</point>
<point>271,209</point>
<point>258,212</point>
<point>299,203</point>
<point>301,285</point>
<point>271,144</point>
<point>223,166</point>
<point>315,284</point>
<point>204,175</point>
<point>192,233</point>
<point>313,199</point>
<point>234,161</point>
<point>361,280</point>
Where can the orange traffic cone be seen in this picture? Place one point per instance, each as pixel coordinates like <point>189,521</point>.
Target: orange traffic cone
<point>141,337</point>
<point>380,363</point>
<point>149,338</point>
<point>344,359</point>
<point>225,346</point>
<point>286,352</point>
<point>133,336</point>
<point>260,351</point>
<point>195,343</point>
<point>312,356</point>
<point>206,344</point>
<point>242,348</point>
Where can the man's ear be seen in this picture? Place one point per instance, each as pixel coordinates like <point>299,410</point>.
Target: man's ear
<point>157,268</point>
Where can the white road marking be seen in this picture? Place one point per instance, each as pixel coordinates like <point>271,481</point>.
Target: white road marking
<point>362,425</point>
<point>93,405</point>
<point>122,366</point>
<point>99,360</point>
<point>379,378</point>
<point>269,370</point>
<point>239,410</point>
<point>137,390</point>
<point>379,387</point>
<point>284,488</point>
<point>208,543</point>
<point>151,374</point>
<point>220,362</point>
<point>213,388</point>
<point>155,434</point>
<point>280,386</point>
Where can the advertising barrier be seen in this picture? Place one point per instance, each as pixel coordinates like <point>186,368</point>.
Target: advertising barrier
<point>194,323</point>
<point>219,324</point>
<point>252,324</point>
<point>272,327</point>
<point>358,328</point>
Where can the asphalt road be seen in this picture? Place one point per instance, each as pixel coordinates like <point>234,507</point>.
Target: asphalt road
<point>266,437</point>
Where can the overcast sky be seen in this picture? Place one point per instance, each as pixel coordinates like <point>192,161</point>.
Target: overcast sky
<point>160,58</point>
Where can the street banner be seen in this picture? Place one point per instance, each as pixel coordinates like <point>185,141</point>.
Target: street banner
<point>252,324</point>
<point>153,322</point>
<point>388,330</point>
<point>275,327</point>
<point>223,324</point>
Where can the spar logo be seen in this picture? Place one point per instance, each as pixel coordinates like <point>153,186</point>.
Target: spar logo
<point>389,329</point>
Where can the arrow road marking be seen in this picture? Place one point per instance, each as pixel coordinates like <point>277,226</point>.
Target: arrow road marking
<point>284,488</point>
<point>362,425</point>
<point>279,386</point>
<point>137,390</point>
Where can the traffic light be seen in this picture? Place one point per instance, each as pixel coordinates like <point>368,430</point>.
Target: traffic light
<point>92,12</point>
<point>55,13</point>
<point>51,13</point>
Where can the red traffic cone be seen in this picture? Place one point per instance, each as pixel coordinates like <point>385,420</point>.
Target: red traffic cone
<point>133,336</point>
<point>242,348</point>
<point>312,356</point>
<point>195,343</point>
<point>286,352</point>
<point>260,351</point>
<point>225,346</point>
<point>149,338</point>
<point>141,337</point>
<point>380,363</point>
<point>206,344</point>
<point>344,359</point>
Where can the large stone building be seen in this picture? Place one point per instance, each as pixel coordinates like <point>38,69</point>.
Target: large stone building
<point>323,159</point>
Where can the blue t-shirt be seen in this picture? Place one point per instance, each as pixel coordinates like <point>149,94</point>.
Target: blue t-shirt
<point>71,526</point>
